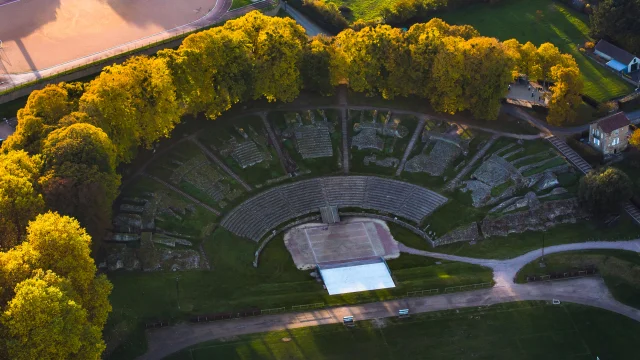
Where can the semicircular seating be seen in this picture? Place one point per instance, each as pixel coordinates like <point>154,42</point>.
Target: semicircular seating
<point>265,211</point>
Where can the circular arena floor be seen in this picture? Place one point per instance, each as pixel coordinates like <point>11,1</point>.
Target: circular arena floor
<point>37,34</point>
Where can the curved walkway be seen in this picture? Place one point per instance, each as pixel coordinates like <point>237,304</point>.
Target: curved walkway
<point>585,291</point>
<point>504,271</point>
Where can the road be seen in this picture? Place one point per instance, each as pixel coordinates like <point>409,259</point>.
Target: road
<point>586,291</point>
<point>309,26</point>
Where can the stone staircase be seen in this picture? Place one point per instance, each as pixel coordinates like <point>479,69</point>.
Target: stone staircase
<point>583,166</point>
<point>571,155</point>
<point>454,182</point>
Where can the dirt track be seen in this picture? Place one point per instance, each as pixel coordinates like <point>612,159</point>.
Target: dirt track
<point>38,34</point>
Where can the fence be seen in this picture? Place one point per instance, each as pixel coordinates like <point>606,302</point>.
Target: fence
<point>562,275</point>
<point>93,63</point>
<point>467,287</point>
<point>307,307</point>
<point>422,292</point>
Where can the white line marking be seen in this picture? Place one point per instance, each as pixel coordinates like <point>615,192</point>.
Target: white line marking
<point>9,3</point>
<point>371,243</point>
<point>310,246</point>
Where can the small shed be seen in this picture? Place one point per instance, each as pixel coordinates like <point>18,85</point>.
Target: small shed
<point>619,59</point>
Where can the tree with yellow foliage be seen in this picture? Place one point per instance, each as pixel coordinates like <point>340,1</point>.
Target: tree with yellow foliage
<point>45,320</point>
<point>133,103</point>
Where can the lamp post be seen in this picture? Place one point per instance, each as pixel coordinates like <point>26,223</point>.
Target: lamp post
<point>542,258</point>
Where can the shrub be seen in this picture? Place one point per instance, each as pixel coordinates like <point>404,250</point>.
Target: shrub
<point>589,45</point>
<point>591,155</point>
<point>630,102</point>
<point>602,191</point>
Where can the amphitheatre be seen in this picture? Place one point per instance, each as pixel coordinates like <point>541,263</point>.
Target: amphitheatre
<point>325,226</point>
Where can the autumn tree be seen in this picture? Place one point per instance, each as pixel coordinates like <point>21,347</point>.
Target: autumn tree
<point>546,57</point>
<point>212,70</point>
<point>315,67</point>
<point>446,92</point>
<point>423,43</point>
<point>133,103</point>
<point>602,191</point>
<point>49,287</point>
<point>276,45</point>
<point>20,201</point>
<point>45,320</point>
<point>41,115</point>
<point>634,139</point>
<point>565,95</point>
<point>487,69</point>
<point>375,60</point>
<point>80,178</point>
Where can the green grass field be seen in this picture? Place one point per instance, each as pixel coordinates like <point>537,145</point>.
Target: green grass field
<point>526,330</point>
<point>240,3</point>
<point>619,269</point>
<point>557,24</point>
<point>234,284</point>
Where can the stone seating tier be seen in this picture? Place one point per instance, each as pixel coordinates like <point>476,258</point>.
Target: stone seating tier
<point>257,216</point>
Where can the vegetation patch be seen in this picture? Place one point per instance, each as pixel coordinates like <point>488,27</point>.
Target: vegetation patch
<point>619,269</point>
<point>523,330</point>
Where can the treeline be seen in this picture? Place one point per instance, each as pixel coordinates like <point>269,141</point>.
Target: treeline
<point>71,137</point>
<point>619,22</point>
<point>396,13</point>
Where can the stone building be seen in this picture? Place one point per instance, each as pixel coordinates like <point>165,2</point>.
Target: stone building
<point>610,135</point>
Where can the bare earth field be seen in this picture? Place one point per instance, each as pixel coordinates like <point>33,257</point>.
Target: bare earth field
<point>357,238</point>
<point>38,34</point>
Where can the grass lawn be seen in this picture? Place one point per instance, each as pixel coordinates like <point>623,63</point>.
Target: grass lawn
<point>518,244</point>
<point>240,3</point>
<point>234,284</point>
<point>557,24</point>
<point>619,269</point>
<point>363,9</point>
<point>524,330</point>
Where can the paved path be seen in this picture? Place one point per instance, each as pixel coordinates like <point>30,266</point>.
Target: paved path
<point>220,12</point>
<point>182,193</point>
<point>342,100</point>
<point>274,140</point>
<point>221,164</point>
<point>416,133</point>
<point>587,291</point>
<point>309,26</point>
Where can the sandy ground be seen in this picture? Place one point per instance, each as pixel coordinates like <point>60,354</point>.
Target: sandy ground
<point>38,34</point>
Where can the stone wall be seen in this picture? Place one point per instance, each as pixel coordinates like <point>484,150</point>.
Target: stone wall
<point>461,234</point>
<point>547,215</point>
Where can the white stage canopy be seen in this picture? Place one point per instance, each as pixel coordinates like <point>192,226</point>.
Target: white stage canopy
<point>354,277</point>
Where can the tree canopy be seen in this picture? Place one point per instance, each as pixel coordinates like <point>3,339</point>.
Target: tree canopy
<point>603,191</point>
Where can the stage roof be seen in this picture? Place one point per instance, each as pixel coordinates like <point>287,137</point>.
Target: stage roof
<point>354,277</point>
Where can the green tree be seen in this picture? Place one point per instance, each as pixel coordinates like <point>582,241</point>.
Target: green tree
<point>617,20</point>
<point>133,103</point>
<point>603,191</point>
<point>19,203</point>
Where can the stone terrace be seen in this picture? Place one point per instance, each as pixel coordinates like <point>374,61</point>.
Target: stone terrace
<point>264,212</point>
